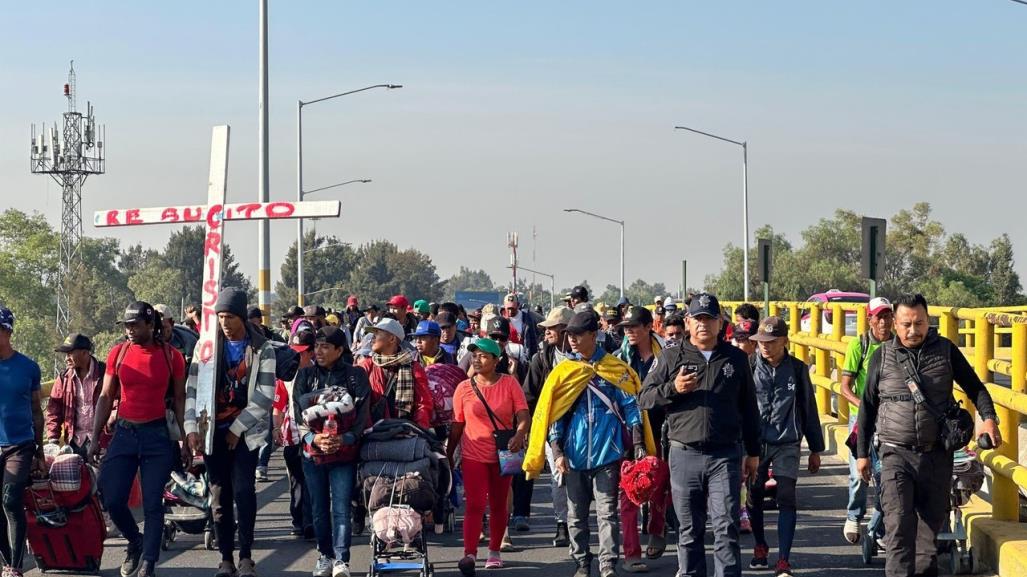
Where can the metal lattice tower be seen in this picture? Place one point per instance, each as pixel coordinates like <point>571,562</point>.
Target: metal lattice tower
<point>69,155</point>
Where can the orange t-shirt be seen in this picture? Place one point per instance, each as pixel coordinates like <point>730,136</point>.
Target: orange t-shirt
<point>504,397</point>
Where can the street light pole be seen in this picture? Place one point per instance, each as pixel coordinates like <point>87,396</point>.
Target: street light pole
<point>552,284</point>
<point>621,223</point>
<point>299,177</point>
<point>745,202</point>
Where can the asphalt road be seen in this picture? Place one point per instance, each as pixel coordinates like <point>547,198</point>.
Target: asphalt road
<point>819,549</point>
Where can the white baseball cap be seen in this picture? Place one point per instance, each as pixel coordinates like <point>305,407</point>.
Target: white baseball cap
<point>669,303</point>
<point>390,326</point>
<point>877,305</point>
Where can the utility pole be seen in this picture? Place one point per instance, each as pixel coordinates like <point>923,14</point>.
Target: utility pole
<point>263,173</point>
<point>511,241</point>
<point>69,155</point>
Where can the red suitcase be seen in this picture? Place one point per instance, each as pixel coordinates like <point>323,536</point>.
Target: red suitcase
<point>64,539</point>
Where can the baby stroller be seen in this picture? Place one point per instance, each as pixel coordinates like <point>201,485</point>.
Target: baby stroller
<point>967,479</point>
<point>402,475</point>
<point>187,507</point>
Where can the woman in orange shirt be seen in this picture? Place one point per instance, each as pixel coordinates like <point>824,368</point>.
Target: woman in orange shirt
<point>472,429</point>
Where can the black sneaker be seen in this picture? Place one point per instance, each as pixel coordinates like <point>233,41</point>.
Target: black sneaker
<point>359,523</point>
<point>466,566</point>
<point>561,539</point>
<point>132,555</point>
<point>145,569</point>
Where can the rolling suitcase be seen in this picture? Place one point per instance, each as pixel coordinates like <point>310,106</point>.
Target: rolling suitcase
<point>64,539</point>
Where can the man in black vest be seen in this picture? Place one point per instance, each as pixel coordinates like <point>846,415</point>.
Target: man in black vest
<point>909,382</point>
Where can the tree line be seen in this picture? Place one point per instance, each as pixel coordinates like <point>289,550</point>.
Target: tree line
<point>920,256</point>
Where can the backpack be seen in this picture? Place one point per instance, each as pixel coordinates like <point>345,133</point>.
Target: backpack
<point>442,382</point>
<point>287,361</point>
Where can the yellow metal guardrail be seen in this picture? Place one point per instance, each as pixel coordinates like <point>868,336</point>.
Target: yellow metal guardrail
<point>994,341</point>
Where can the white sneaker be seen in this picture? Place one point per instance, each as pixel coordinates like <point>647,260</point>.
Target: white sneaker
<point>323,568</point>
<point>851,531</point>
<point>341,569</point>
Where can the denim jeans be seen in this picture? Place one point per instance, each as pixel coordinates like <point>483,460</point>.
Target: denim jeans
<point>147,449</point>
<point>707,484</point>
<point>231,474</point>
<point>856,508</point>
<point>331,488</point>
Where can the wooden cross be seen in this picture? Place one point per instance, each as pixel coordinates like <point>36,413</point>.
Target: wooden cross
<point>212,215</point>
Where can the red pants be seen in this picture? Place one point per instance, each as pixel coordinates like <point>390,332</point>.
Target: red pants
<point>629,520</point>
<point>482,482</point>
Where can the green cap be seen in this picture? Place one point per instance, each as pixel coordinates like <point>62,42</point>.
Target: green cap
<point>486,346</point>
<point>422,306</point>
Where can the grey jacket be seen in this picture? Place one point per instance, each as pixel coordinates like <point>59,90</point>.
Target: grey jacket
<point>252,423</point>
<point>788,409</point>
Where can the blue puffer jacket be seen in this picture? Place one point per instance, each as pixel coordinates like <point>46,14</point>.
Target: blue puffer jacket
<point>590,434</point>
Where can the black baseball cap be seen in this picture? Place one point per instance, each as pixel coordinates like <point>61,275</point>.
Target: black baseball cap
<point>75,342</point>
<point>579,292</point>
<point>139,311</point>
<point>254,313</point>
<point>294,311</point>
<point>637,316</point>
<point>302,341</point>
<point>704,304</point>
<point>331,335</point>
<point>583,322</point>
<point>498,326</point>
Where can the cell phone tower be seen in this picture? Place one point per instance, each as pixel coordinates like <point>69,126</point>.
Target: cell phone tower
<point>69,155</point>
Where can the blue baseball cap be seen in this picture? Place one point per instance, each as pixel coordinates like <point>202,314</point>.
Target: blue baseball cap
<point>6,319</point>
<point>428,329</point>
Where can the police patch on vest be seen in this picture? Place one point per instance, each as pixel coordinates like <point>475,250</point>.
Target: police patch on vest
<point>728,370</point>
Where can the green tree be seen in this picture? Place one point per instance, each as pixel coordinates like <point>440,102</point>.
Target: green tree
<point>382,270</point>
<point>638,292</point>
<point>327,266</point>
<point>99,290</point>
<point>28,275</point>
<point>157,283</point>
<point>184,253</point>
<point>468,280</point>
<point>919,257</point>
<point>1003,280</point>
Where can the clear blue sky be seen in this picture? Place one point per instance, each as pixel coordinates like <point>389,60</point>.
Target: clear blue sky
<point>512,112</point>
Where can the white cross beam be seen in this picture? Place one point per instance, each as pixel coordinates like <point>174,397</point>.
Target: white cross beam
<point>212,215</point>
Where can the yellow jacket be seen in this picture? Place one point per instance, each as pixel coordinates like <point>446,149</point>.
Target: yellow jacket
<point>564,384</point>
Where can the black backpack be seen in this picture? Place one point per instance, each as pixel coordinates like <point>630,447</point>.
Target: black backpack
<point>287,361</point>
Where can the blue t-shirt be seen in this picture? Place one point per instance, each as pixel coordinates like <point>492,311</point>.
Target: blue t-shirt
<point>19,378</point>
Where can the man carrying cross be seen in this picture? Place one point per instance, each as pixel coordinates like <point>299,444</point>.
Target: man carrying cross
<point>244,390</point>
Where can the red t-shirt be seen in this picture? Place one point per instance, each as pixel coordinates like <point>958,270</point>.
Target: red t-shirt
<point>505,397</point>
<point>144,379</point>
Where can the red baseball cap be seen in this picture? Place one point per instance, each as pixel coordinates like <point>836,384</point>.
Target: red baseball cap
<point>352,301</point>
<point>399,301</point>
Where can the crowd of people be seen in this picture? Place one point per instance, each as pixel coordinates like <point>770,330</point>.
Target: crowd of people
<point>673,406</point>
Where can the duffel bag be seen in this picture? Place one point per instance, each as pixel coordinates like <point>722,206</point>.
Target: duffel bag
<point>411,489</point>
